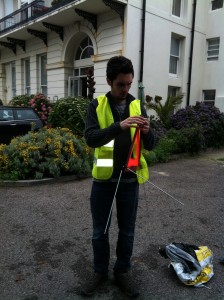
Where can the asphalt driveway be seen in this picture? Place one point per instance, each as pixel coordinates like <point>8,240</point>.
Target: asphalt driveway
<point>45,235</point>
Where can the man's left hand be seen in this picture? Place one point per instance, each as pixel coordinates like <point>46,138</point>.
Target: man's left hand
<point>145,127</point>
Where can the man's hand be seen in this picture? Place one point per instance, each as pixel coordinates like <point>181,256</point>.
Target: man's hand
<point>145,128</point>
<point>136,121</point>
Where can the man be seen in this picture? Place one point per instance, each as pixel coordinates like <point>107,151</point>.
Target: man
<point>111,122</point>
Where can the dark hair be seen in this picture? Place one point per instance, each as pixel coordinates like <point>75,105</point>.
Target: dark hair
<point>119,65</point>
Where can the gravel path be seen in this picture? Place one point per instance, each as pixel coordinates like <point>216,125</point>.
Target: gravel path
<point>45,234</point>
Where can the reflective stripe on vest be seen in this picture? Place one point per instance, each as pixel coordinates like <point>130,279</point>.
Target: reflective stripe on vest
<point>103,162</point>
<point>103,156</point>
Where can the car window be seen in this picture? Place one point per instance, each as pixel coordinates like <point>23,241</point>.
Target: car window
<point>24,114</point>
<point>6,114</point>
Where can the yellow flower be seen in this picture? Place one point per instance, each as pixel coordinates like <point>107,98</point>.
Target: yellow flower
<point>71,149</point>
<point>86,149</point>
<point>48,141</point>
<point>25,156</point>
<point>33,148</point>
<point>66,166</point>
<point>65,129</point>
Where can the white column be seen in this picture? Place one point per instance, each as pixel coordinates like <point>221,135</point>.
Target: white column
<point>34,75</point>
<point>2,83</point>
<point>19,79</point>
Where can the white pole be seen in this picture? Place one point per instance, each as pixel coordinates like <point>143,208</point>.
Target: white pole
<point>113,202</point>
<point>156,186</point>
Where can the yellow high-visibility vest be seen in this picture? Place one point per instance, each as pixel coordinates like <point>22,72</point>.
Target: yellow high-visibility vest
<point>103,156</point>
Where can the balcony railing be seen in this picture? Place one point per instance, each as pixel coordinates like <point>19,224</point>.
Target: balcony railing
<point>28,12</point>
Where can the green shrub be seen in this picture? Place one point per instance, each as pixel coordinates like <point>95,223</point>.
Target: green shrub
<point>46,153</point>
<point>70,113</point>
<point>208,117</point>
<point>41,105</point>
<point>215,133</point>
<point>20,100</point>
<point>39,102</point>
<point>150,157</point>
<point>188,140</point>
<point>164,149</point>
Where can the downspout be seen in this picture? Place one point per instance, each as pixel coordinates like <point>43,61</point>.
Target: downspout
<point>141,87</point>
<point>191,52</point>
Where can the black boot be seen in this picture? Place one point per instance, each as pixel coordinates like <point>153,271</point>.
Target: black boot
<point>92,283</point>
<point>126,283</point>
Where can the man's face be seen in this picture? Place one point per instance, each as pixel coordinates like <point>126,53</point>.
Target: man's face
<point>120,86</point>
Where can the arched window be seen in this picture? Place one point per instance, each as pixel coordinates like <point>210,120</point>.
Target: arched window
<point>85,49</point>
<point>82,63</point>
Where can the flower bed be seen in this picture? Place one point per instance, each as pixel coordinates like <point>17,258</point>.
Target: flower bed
<point>43,154</point>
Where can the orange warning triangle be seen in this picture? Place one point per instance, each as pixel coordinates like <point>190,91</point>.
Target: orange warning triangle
<point>135,150</point>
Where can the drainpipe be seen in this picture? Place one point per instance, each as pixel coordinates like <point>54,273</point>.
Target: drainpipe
<point>141,87</point>
<point>191,52</point>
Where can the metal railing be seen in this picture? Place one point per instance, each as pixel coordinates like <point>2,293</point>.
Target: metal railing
<point>28,12</point>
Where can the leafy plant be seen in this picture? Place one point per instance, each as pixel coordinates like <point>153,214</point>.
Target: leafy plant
<point>20,100</point>
<point>46,153</point>
<point>208,117</point>
<point>164,110</point>
<point>150,157</point>
<point>70,113</point>
<point>158,128</point>
<point>39,102</point>
<point>165,148</point>
<point>42,106</point>
<point>187,140</point>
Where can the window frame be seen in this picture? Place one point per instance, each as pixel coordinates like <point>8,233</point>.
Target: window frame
<point>27,77</point>
<point>82,62</point>
<point>173,88</point>
<point>208,101</point>
<point>217,2</point>
<point>81,79</point>
<point>42,85</point>
<point>13,78</point>
<point>177,57</point>
<point>213,57</point>
<point>180,8</point>
<point>85,45</point>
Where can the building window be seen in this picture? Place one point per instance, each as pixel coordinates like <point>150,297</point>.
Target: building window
<point>85,49</point>
<point>213,49</point>
<point>43,74</point>
<point>209,97</point>
<point>216,4</point>
<point>173,91</point>
<point>13,69</point>
<point>78,82</point>
<point>27,76</point>
<point>174,55</point>
<point>77,86</point>
<point>176,9</point>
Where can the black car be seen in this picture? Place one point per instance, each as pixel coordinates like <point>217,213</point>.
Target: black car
<point>15,121</point>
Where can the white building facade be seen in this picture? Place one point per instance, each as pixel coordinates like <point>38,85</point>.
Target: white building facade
<point>176,46</point>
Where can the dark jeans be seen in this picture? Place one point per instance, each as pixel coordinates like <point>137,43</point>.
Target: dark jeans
<point>127,202</point>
